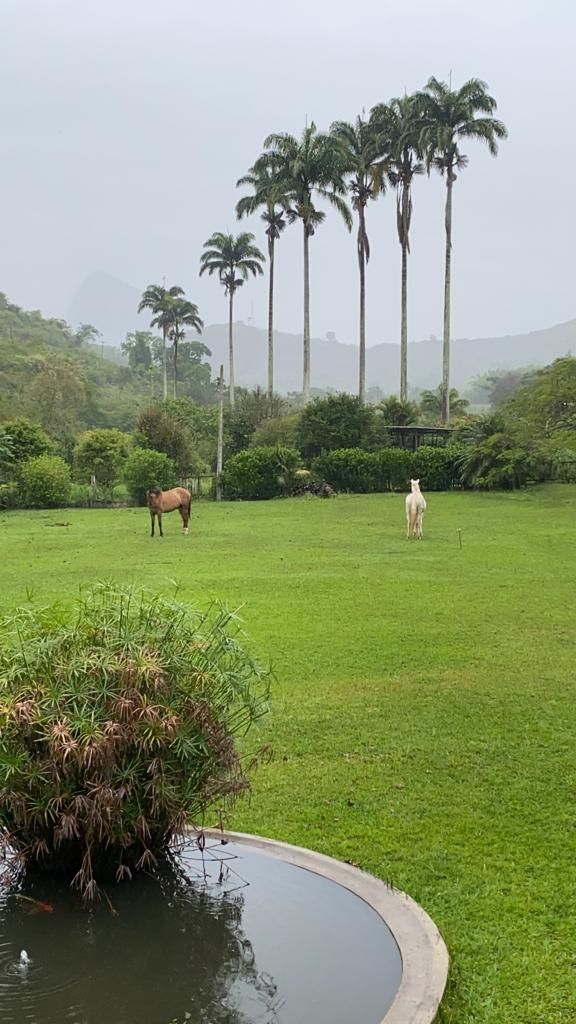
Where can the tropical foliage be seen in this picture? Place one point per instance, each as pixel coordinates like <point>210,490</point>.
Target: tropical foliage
<point>118,722</point>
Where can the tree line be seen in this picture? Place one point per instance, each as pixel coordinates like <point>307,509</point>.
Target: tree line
<point>347,167</point>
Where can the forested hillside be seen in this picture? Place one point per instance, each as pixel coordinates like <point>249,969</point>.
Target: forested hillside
<point>57,376</point>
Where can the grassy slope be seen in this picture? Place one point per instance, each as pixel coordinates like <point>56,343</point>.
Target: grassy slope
<point>423,720</point>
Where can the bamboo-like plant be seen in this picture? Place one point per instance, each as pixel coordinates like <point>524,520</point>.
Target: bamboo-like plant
<point>117,728</point>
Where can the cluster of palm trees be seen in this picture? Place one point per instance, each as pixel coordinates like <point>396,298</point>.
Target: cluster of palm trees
<point>359,162</point>
<point>172,313</point>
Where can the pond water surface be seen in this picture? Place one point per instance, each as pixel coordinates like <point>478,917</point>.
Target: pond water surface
<point>228,937</point>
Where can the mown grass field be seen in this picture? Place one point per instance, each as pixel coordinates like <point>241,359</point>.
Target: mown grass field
<point>423,719</point>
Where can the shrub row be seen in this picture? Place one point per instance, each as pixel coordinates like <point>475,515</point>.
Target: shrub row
<point>390,469</point>
<point>260,473</point>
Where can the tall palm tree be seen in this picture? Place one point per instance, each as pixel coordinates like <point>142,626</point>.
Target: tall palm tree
<point>449,116</point>
<point>233,259</point>
<point>400,121</point>
<point>158,300</point>
<point>308,167</point>
<point>267,194</point>
<point>182,314</point>
<point>362,145</point>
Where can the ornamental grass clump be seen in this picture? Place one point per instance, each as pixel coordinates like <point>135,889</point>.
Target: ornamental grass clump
<point>118,727</point>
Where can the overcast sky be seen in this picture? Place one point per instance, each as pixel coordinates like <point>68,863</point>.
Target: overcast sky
<point>125,124</point>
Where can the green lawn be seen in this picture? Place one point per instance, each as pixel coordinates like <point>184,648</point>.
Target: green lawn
<point>423,719</point>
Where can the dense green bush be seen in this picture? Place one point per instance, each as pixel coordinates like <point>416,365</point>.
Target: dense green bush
<point>328,424</point>
<point>279,430</point>
<point>352,469</point>
<point>145,469</point>
<point>349,469</point>
<point>161,431</point>
<point>27,440</point>
<point>437,467</point>
<point>394,469</point>
<point>10,496</point>
<point>102,454</point>
<point>118,722</point>
<point>260,473</point>
<point>44,482</point>
<point>494,464</point>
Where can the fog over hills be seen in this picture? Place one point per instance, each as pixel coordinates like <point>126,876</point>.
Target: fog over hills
<point>111,306</point>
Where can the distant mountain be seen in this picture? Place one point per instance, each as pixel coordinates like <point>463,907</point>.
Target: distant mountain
<point>111,306</point>
<point>108,304</point>
<point>335,365</point>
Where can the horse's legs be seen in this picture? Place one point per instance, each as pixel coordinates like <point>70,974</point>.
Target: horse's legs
<point>185,513</point>
<point>152,514</point>
<point>159,514</point>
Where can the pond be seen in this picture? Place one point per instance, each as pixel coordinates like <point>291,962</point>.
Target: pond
<point>227,936</point>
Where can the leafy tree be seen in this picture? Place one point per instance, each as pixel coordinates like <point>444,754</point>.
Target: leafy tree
<point>200,423</point>
<point>498,386</point>
<point>268,195</point>
<point>145,469</point>
<point>102,454</point>
<point>26,439</point>
<point>251,409</point>
<point>546,404</point>
<point>432,404</point>
<point>194,374</point>
<point>44,482</point>
<point>399,121</point>
<point>340,421</point>
<point>159,301</point>
<point>159,429</point>
<point>277,430</point>
<point>361,145</point>
<point>58,397</point>
<point>234,259</point>
<point>398,413</point>
<point>138,348</point>
<point>86,334</point>
<point>309,167</point>
<point>448,117</point>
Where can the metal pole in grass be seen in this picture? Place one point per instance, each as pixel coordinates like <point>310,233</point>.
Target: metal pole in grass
<point>220,383</point>
<point>460,539</point>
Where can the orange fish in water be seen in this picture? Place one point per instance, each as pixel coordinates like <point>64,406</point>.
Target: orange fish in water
<point>46,908</point>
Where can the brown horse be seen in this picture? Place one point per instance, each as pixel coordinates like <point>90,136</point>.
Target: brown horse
<point>167,501</point>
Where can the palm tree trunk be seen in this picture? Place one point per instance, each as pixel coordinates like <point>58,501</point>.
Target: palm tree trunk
<point>231,348</point>
<point>164,366</point>
<point>175,365</point>
<point>447,285</point>
<point>362,354</point>
<point>306,369</point>
<point>404,326</point>
<point>271,322</point>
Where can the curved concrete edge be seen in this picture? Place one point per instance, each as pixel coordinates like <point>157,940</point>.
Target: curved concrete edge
<point>424,954</point>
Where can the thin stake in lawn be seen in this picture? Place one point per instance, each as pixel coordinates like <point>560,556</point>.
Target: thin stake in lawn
<point>460,538</point>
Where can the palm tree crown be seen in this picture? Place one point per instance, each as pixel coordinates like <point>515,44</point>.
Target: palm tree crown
<point>267,195</point>
<point>400,121</point>
<point>307,168</point>
<point>234,259</point>
<point>158,300</point>
<point>448,116</point>
<point>361,148</point>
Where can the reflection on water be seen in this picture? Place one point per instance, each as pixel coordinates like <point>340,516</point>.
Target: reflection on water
<point>228,937</point>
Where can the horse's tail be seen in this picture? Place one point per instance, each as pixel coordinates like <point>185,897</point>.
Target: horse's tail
<point>412,516</point>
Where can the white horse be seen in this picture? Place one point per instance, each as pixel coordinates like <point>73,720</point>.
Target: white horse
<point>415,509</point>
